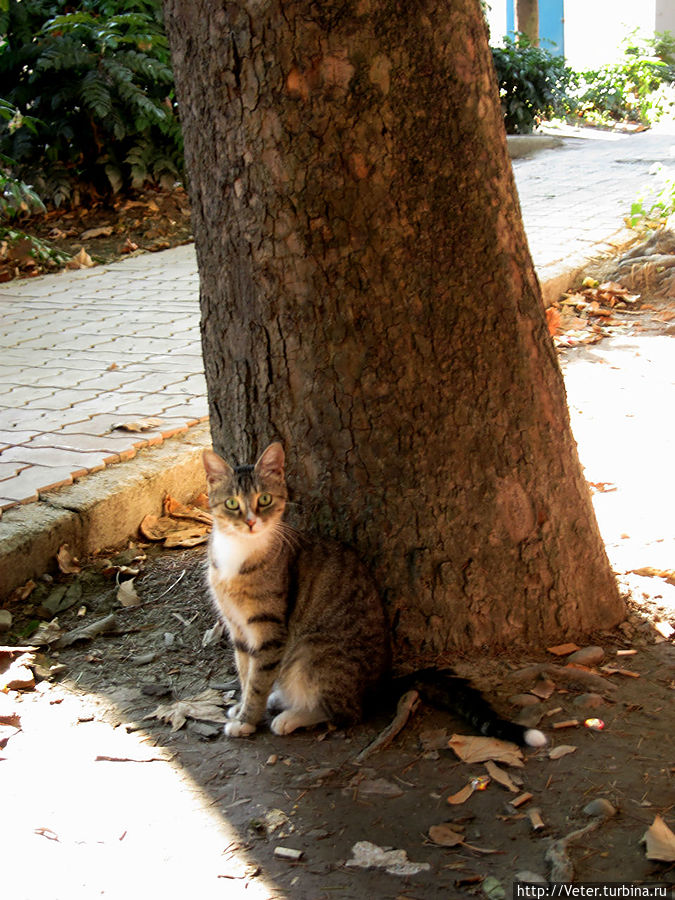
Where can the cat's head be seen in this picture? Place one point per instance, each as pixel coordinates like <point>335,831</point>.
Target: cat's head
<point>247,500</point>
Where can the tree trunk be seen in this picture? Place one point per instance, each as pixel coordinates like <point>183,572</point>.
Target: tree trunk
<point>368,298</point>
<point>526,16</point>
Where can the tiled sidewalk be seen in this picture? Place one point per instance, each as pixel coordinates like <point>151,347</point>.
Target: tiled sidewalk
<point>85,351</point>
<point>82,352</point>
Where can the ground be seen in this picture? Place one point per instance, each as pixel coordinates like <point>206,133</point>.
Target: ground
<point>104,799</point>
<point>148,220</point>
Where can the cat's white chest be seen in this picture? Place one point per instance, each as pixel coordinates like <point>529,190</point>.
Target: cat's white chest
<point>229,553</point>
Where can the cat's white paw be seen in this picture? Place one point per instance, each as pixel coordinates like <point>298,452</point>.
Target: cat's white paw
<point>286,722</point>
<point>233,711</point>
<point>239,729</point>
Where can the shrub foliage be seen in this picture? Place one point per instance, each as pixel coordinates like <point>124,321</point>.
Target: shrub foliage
<point>533,83</point>
<point>98,86</point>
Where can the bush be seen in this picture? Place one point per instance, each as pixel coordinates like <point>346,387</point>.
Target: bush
<point>533,83</point>
<point>636,89</point>
<point>99,86</point>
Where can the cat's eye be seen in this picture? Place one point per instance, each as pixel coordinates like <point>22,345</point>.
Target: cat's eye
<point>264,500</point>
<point>232,503</point>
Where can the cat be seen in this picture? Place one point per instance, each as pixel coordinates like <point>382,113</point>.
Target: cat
<point>304,615</point>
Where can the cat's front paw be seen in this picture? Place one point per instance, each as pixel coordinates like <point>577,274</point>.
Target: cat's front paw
<point>234,711</point>
<point>286,722</point>
<point>239,729</point>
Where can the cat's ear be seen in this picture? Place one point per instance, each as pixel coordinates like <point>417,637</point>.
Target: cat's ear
<point>216,467</point>
<point>271,463</point>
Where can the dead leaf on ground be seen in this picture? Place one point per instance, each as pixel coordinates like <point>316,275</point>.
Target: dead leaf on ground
<point>563,649</point>
<point>139,425</point>
<point>552,320</point>
<point>126,594</point>
<point>23,592</point>
<point>462,795</point>
<point>560,751</point>
<point>81,260</point>
<point>205,707</point>
<point>67,563</point>
<point>47,633</point>
<point>173,527</point>
<point>187,537</point>
<point>472,749</point>
<point>650,572</point>
<point>91,233</point>
<point>500,776</point>
<point>181,511</point>
<point>660,841</point>
<point>445,835</point>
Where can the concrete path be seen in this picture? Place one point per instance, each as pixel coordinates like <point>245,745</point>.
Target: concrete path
<point>83,352</point>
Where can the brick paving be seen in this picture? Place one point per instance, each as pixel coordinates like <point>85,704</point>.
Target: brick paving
<point>83,352</point>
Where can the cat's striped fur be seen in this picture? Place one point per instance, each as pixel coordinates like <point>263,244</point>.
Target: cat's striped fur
<point>304,615</point>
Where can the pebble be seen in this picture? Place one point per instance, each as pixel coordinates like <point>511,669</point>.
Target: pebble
<point>526,876</point>
<point>589,656</point>
<point>600,807</point>
<point>589,701</point>
<point>5,620</point>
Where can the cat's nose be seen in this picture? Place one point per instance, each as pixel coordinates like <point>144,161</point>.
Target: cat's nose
<point>250,521</point>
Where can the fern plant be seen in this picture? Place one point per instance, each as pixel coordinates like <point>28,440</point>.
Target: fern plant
<point>100,85</point>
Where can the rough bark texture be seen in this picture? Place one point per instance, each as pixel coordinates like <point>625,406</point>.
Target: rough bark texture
<point>368,297</point>
<point>527,19</point>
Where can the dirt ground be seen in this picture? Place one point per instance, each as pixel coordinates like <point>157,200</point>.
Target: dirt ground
<point>105,230</point>
<point>100,800</point>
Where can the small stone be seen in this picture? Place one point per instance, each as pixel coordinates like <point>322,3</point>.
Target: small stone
<point>5,620</point>
<point>205,730</point>
<point>589,701</point>
<point>524,700</point>
<point>531,877</point>
<point>600,807</point>
<point>589,656</point>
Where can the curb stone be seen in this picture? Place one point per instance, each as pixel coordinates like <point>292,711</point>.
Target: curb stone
<point>103,510</point>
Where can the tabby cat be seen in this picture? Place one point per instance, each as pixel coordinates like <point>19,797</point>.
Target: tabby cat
<point>304,615</point>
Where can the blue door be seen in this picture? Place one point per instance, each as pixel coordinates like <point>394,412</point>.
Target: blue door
<point>551,24</point>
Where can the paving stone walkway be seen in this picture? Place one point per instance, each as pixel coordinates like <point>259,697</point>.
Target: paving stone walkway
<point>86,351</point>
<point>83,352</point>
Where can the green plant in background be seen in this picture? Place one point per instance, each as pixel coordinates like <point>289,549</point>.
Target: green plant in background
<point>636,89</point>
<point>654,211</point>
<point>99,85</point>
<point>16,196</point>
<point>533,83</point>
<point>18,199</point>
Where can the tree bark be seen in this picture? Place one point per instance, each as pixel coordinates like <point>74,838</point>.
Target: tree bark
<point>526,15</point>
<point>368,298</point>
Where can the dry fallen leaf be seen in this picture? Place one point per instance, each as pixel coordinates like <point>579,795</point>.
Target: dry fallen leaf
<point>660,841</point>
<point>461,796</point>
<point>552,320</point>
<point>207,707</point>
<point>445,835</point>
<point>126,594</point>
<point>140,425</point>
<point>563,649</point>
<point>102,231</point>
<point>81,260</point>
<point>188,537</point>
<point>650,572</point>
<point>67,563</point>
<point>23,592</point>
<point>500,776</point>
<point>181,511</point>
<point>472,749</point>
<point>562,750</point>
